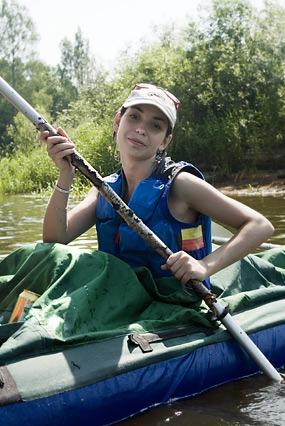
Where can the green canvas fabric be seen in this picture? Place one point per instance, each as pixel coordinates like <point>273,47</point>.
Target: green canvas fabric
<point>254,289</point>
<point>89,296</point>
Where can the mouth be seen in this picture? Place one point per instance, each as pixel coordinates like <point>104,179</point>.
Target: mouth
<point>136,142</point>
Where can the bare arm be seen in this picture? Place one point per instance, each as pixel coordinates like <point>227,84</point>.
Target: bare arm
<point>63,226</point>
<point>59,224</point>
<point>190,195</point>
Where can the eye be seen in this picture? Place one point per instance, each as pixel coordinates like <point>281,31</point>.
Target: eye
<point>133,116</point>
<point>156,126</point>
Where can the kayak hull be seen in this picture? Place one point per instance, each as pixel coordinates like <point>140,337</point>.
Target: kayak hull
<point>116,398</point>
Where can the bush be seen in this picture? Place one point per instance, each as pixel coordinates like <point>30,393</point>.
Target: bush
<point>23,173</point>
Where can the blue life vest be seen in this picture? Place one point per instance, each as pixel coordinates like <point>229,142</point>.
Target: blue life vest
<point>149,202</point>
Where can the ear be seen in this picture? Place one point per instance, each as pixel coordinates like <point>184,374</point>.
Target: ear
<point>166,142</point>
<point>117,122</point>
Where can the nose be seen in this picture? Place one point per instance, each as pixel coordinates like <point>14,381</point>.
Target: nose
<point>140,131</point>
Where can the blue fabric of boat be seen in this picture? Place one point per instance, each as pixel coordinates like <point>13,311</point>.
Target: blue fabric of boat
<point>89,296</point>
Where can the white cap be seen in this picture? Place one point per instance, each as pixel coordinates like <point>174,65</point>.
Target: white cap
<point>152,95</point>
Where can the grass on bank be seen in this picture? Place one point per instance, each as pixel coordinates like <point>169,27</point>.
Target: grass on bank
<point>32,171</point>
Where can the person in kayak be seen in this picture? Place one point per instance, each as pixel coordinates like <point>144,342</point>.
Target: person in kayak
<point>173,199</point>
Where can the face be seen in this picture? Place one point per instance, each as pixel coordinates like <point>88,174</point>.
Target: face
<point>141,132</point>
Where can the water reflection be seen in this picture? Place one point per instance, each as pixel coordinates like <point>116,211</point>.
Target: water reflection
<point>21,218</point>
<point>246,402</point>
<point>271,207</point>
<point>251,401</point>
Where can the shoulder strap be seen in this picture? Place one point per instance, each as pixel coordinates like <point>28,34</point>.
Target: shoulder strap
<point>168,169</point>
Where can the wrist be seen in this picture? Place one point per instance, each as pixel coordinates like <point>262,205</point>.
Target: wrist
<point>62,190</point>
<point>65,180</point>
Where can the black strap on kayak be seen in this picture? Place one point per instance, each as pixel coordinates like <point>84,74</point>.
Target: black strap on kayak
<point>9,393</point>
<point>223,314</point>
<point>143,340</point>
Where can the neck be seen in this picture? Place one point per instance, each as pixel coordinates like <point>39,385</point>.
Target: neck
<point>135,173</point>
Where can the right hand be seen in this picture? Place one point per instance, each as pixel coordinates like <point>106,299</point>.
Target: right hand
<point>185,267</point>
<point>59,148</point>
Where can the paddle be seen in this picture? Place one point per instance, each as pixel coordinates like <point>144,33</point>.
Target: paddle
<point>138,226</point>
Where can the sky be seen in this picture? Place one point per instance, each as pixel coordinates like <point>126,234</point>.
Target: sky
<point>110,25</point>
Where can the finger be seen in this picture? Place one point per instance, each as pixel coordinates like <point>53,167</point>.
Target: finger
<point>184,279</point>
<point>44,135</point>
<point>60,150</point>
<point>55,143</point>
<point>173,258</point>
<point>62,154</point>
<point>181,274</point>
<point>165,267</point>
<point>59,145</point>
<point>63,133</point>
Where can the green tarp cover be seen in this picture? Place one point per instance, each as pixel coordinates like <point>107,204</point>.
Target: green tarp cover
<point>89,296</point>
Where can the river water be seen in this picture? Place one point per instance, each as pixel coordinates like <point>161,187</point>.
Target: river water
<point>252,401</point>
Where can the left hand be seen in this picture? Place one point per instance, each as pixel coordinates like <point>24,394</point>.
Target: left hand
<point>185,267</point>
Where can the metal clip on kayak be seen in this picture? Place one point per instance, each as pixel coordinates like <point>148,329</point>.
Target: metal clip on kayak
<point>136,224</point>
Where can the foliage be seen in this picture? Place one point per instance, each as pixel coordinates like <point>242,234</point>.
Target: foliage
<point>231,81</point>
<point>227,69</point>
<point>22,174</point>
<point>17,41</point>
<point>22,134</point>
<point>95,143</point>
<point>76,62</point>
<point>52,89</point>
<point>17,36</point>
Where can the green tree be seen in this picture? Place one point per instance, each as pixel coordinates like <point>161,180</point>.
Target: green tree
<point>230,81</point>
<point>82,62</point>
<point>39,87</point>
<point>227,69</point>
<point>17,41</point>
<point>76,63</point>
<point>23,135</point>
<point>17,36</point>
<point>65,68</point>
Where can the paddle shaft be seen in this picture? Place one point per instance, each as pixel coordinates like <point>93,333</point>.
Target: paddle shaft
<point>263,246</point>
<point>87,170</point>
<point>136,224</point>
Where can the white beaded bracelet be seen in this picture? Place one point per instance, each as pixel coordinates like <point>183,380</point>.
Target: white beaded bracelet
<point>64,191</point>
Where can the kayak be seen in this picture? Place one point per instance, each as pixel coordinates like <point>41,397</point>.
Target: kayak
<point>66,364</point>
<point>45,379</point>
<point>104,384</point>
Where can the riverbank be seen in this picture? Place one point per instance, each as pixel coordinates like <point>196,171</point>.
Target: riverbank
<point>261,183</point>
